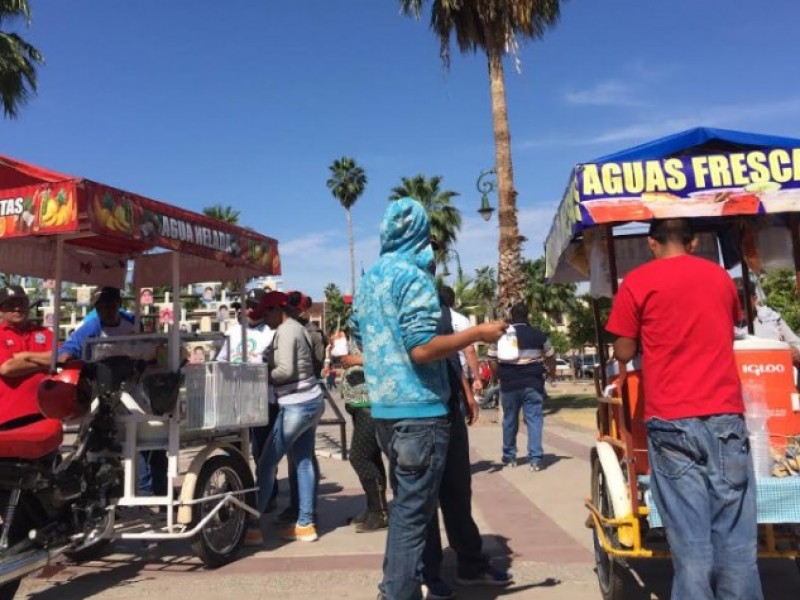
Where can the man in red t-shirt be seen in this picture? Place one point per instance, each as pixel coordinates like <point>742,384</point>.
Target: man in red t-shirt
<point>680,311</point>
<point>24,355</point>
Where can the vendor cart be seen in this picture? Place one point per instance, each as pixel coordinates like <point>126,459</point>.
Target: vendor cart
<point>742,192</point>
<point>71,229</point>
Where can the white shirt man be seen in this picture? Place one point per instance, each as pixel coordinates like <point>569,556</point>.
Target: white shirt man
<point>259,338</point>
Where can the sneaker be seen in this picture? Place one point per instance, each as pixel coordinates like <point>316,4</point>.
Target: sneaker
<point>536,466</point>
<point>300,533</point>
<point>437,590</point>
<point>375,522</point>
<point>490,576</point>
<point>510,464</point>
<point>253,538</point>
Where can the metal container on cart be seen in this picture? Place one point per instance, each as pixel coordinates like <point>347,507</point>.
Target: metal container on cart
<point>223,395</point>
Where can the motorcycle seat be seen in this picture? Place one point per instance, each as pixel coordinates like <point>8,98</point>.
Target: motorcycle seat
<point>32,441</point>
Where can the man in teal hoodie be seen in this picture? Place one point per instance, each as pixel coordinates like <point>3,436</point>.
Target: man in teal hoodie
<point>395,314</point>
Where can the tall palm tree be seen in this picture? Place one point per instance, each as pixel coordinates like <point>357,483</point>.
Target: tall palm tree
<point>494,26</point>
<point>347,182</point>
<point>226,214</point>
<point>445,217</point>
<point>18,60</point>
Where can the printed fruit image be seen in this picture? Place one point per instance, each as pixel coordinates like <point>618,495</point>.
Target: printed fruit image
<point>24,221</point>
<point>111,216</point>
<point>55,211</point>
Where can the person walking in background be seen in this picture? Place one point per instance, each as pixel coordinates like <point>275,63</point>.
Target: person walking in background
<point>522,387</point>
<point>259,338</point>
<point>577,365</point>
<point>300,407</point>
<point>680,311</point>
<point>394,320</point>
<point>365,453</point>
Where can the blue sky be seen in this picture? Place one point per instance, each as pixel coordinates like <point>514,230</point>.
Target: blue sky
<point>193,105</point>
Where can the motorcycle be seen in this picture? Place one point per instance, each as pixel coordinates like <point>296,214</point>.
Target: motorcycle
<point>64,505</point>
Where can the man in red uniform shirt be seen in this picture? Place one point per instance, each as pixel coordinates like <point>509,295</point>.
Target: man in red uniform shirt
<point>24,355</point>
<point>680,310</point>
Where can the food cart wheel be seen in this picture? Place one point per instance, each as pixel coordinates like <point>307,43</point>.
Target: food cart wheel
<point>610,571</point>
<point>219,540</point>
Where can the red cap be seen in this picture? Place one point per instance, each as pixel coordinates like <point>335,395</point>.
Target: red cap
<point>270,300</point>
<point>298,300</point>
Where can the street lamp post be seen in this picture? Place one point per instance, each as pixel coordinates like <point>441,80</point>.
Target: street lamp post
<point>448,254</point>
<point>485,187</point>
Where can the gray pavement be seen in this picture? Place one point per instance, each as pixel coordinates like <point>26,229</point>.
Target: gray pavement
<point>531,522</point>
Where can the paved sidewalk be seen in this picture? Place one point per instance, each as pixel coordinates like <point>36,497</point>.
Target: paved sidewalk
<point>532,522</point>
<point>514,509</point>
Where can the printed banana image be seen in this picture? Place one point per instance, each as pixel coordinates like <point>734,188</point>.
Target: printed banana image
<point>112,216</point>
<point>57,211</point>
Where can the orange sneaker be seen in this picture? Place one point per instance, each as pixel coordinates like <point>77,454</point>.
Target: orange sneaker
<point>253,537</point>
<point>302,533</point>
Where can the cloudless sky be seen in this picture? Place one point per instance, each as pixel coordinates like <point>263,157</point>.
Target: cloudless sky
<point>247,103</point>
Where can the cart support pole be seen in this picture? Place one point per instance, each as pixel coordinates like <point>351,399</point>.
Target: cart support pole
<point>175,331</point>
<point>748,287</point>
<point>243,316</point>
<point>57,300</point>
<point>794,232</point>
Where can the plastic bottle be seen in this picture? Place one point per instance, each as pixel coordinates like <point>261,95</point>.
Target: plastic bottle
<point>507,345</point>
<point>757,415</point>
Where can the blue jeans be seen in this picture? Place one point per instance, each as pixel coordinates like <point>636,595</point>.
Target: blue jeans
<point>294,434</point>
<point>530,401</point>
<point>417,449</point>
<point>703,485</point>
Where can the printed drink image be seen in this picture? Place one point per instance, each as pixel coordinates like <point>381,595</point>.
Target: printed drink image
<point>617,209</point>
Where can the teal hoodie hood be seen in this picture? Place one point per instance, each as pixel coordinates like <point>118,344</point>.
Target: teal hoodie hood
<point>406,230</point>
<point>395,310</point>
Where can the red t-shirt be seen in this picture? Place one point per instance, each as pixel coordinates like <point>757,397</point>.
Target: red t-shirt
<point>18,394</point>
<point>682,311</point>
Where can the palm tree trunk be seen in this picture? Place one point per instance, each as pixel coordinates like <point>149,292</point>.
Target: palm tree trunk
<point>509,268</point>
<point>351,243</point>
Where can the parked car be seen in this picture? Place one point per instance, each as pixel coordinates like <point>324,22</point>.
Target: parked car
<point>588,364</point>
<point>563,369</point>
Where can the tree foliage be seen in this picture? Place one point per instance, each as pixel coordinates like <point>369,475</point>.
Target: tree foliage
<point>18,59</point>
<point>337,311</point>
<point>581,329</point>
<point>226,214</point>
<point>444,216</point>
<point>494,27</point>
<point>781,295</point>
